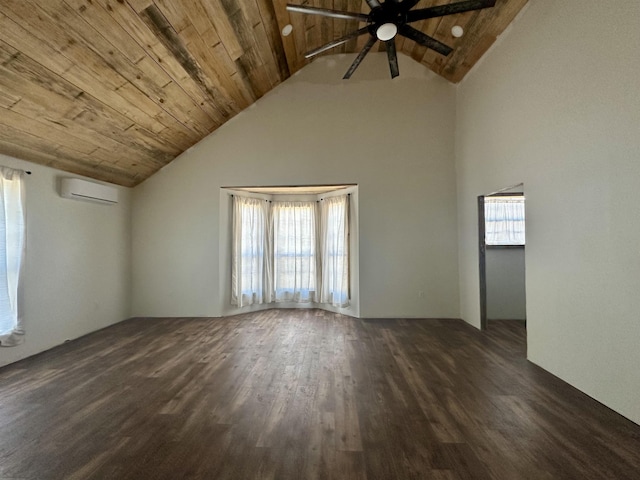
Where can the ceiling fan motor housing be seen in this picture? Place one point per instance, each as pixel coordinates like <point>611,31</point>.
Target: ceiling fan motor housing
<point>387,13</point>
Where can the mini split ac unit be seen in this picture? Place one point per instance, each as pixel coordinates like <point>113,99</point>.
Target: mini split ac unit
<point>79,189</point>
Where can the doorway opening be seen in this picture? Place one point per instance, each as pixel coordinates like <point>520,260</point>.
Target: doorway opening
<point>501,244</point>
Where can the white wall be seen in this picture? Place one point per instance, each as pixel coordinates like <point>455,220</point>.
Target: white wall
<point>77,266</point>
<point>506,298</point>
<point>394,139</point>
<point>556,105</point>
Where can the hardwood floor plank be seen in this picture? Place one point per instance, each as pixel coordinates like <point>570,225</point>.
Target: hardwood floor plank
<point>285,394</point>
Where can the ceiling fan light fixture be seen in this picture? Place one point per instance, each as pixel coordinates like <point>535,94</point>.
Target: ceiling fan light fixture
<point>457,31</point>
<point>386,31</point>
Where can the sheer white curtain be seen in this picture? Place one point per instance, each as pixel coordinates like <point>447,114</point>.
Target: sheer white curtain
<point>12,249</point>
<point>294,251</point>
<point>504,220</point>
<point>250,266</point>
<point>334,250</point>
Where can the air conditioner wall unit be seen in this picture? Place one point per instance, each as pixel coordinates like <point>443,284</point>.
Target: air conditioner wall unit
<point>79,189</point>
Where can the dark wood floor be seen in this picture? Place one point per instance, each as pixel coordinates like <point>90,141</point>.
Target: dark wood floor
<point>303,395</point>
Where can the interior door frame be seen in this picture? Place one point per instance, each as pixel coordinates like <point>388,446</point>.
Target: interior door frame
<point>482,262</point>
<point>482,247</point>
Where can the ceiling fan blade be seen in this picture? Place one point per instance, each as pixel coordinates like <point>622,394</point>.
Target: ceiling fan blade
<point>360,57</point>
<point>335,43</point>
<point>409,4</point>
<point>393,57</point>
<point>450,9</point>
<point>424,40</point>
<point>326,12</point>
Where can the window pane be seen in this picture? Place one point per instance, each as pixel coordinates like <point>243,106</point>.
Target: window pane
<point>294,247</point>
<point>504,220</point>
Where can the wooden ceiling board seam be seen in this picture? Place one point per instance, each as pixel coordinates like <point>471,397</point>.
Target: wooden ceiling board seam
<point>255,74</point>
<point>7,100</point>
<point>312,26</point>
<point>62,40</point>
<point>326,23</point>
<point>101,21</point>
<point>135,165</point>
<point>200,52</point>
<point>189,89</point>
<point>195,117</point>
<point>248,8</point>
<point>245,19</point>
<point>242,76</point>
<point>250,62</point>
<point>266,54</point>
<point>152,140</point>
<point>10,134</point>
<point>224,28</point>
<point>108,121</point>
<point>204,55</point>
<point>230,68</point>
<point>37,113</point>
<point>77,77</point>
<point>22,40</point>
<point>310,35</point>
<point>153,17</point>
<point>197,14</point>
<point>274,35</point>
<point>174,12</point>
<point>13,119</point>
<point>166,121</point>
<point>111,175</point>
<point>42,158</point>
<point>298,33</point>
<point>178,75</point>
<point>288,42</point>
<point>85,81</point>
<point>152,85</point>
<point>131,23</point>
<point>136,5</point>
<point>84,153</point>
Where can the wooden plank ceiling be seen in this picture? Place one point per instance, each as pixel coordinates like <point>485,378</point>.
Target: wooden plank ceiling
<point>116,89</point>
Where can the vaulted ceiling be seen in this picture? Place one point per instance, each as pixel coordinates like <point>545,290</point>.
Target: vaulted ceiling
<point>116,89</point>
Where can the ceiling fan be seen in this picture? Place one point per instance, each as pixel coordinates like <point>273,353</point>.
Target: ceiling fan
<point>385,21</point>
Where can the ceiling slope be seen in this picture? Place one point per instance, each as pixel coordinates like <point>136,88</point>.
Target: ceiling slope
<point>116,89</point>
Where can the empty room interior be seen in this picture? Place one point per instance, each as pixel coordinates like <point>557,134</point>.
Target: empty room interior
<point>246,240</point>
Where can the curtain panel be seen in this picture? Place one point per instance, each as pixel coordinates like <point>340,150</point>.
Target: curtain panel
<point>293,252</point>
<point>250,264</point>
<point>504,220</point>
<point>12,253</point>
<point>334,248</point>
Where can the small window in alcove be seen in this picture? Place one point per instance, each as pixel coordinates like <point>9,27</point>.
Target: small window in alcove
<point>504,220</point>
